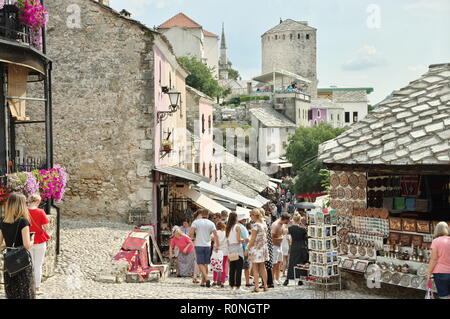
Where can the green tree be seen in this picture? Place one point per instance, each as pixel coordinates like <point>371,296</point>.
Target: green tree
<point>302,152</point>
<point>201,77</point>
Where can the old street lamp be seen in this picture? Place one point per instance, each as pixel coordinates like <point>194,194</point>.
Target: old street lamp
<point>174,98</point>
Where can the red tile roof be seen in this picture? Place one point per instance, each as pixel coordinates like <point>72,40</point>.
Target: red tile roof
<point>180,20</point>
<point>209,34</point>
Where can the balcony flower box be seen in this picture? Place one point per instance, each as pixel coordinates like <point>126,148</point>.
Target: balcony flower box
<point>166,146</point>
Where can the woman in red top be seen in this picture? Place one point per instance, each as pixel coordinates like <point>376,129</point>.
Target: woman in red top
<point>186,254</point>
<point>39,224</point>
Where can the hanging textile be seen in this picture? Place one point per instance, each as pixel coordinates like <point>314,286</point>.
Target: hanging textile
<point>410,185</point>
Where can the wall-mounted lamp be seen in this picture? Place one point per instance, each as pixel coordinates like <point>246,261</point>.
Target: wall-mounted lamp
<point>174,97</point>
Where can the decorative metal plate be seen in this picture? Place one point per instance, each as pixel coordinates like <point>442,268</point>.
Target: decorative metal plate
<point>353,249</point>
<point>334,180</point>
<point>340,193</point>
<point>333,193</point>
<point>370,252</point>
<point>405,281</point>
<point>416,281</point>
<point>362,251</point>
<point>396,278</point>
<point>386,277</point>
<point>348,193</point>
<point>353,180</point>
<point>344,248</point>
<point>362,181</point>
<point>344,180</point>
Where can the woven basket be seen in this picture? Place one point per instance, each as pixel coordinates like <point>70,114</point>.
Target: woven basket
<point>388,203</point>
<point>399,203</point>
<point>410,204</point>
<point>422,205</point>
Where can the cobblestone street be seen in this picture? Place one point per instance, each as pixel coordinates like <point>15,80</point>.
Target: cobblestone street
<point>79,265</point>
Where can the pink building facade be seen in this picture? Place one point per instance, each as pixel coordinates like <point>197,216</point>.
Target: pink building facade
<point>318,115</point>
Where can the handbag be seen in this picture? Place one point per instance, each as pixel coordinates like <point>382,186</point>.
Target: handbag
<point>16,259</point>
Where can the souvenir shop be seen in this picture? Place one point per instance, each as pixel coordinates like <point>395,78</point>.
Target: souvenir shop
<point>386,218</point>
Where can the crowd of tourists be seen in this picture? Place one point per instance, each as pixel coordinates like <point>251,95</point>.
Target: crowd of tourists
<point>261,248</point>
<point>23,233</point>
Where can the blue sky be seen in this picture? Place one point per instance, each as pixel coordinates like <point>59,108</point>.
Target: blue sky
<point>383,44</point>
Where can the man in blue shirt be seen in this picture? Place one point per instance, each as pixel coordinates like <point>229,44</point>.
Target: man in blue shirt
<point>245,236</point>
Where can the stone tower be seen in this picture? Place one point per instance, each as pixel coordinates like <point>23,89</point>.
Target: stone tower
<point>223,61</point>
<point>291,46</point>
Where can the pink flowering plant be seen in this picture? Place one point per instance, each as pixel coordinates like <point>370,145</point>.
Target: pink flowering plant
<point>24,183</point>
<point>52,182</point>
<point>32,14</point>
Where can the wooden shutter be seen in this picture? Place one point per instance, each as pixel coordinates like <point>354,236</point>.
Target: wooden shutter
<point>17,86</point>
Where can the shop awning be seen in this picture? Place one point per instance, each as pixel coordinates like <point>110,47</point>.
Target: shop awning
<point>279,74</point>
<point>262,200</point>
<point>285,165</point>
<point>228,195</point>
<point>243,211</point>
<point>273,186</point>
<point>204,201</point>
<point>279,181</point>
<point>182,173</point>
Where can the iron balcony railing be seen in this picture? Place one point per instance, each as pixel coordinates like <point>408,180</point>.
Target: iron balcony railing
<point>11,28</point>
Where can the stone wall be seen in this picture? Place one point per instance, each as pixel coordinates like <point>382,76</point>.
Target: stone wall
<point>102,108</point>
<point>295,55</point>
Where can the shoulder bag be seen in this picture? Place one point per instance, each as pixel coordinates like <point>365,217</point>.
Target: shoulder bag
<point>16,259</point>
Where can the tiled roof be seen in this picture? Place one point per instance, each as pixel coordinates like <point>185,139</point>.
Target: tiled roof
<point>271,118</point>
<point>290,25</point>
<point>180,20</point>
<point>199,93</point>
<point>210,34</point>
<point>410,128</point>
<point>324,104</point>
<point>240,176</point>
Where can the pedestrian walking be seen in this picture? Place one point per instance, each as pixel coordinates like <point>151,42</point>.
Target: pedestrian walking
<point>245,235</point>
<point>39,225</point>
<point>299,247</point>
<point>269,263</point>
<point>221,277</point>
<point>202,230</point>
<point>186,252</point>
<point>257,249</point>
<point>235,252</point>
<point>439,267</point>
<point>278,232</point>
<point>15,232</point>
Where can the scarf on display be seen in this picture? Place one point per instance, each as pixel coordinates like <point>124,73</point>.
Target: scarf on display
<point>410,185</point>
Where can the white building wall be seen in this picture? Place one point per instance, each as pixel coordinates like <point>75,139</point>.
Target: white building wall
<point>186,41</point>
<point>351,107</point>
<point>211,50</point>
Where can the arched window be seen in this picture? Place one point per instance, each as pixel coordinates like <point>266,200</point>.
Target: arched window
<point>299,36</point>
<point>318,113</point>
<point>203,123</point>
<point>276,37</point>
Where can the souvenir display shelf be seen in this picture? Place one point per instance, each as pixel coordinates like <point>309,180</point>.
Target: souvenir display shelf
<point>391,226</point>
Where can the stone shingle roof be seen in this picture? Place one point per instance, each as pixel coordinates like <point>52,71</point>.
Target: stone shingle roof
<point>271,118</point>
<point>410,128</point>
<point>240,176</point>
<point>324,104</point>
<point>290,25</point>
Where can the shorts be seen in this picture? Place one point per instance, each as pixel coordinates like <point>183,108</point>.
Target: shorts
<point>203,255</point>
<point>277,255</point>
<point>285,249</point>
<point>442,282</point>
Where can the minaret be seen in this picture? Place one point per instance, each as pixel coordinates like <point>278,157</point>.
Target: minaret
<point>223,62</point>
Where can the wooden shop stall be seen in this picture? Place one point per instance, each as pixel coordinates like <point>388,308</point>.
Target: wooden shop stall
<point>390,182</point>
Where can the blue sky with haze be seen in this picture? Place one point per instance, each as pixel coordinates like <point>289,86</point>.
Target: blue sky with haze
<point>412,34</point>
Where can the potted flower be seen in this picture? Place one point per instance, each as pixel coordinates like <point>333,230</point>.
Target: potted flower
<point>166,145</point>
<point>52,182</point>
<point>24,183</point>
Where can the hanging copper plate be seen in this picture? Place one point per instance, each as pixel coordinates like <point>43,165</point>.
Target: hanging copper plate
<point>334,180</point>
<point>362,181</point>
<point>361,194</point>
<point>355,205</point>
<point>362,251</point>
<point>353,180</point>
<point>355,194</point>
<point>344,180</point>
<point>371,183</point>
<point>353,249</point>
<point>340,193</point>
<point>362,204</point>
<point>333,204</point>
<point>344,248</point>
<point>370,252</point>
<point>348,193</point>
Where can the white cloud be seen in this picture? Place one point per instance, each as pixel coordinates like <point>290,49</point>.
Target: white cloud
<point>366,57</point>
<point>417,68</point>
<point>428,6</point>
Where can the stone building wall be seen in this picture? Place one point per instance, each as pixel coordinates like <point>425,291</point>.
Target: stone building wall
<point>102,108</point>
<point>295,55</point>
